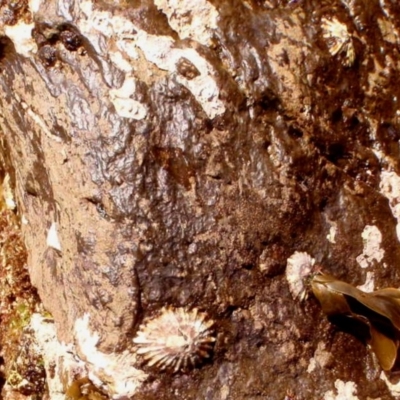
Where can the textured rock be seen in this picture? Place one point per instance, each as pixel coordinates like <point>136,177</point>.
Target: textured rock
<point>178,152</point>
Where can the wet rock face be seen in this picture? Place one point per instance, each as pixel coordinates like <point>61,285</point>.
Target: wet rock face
<point>178,154</point>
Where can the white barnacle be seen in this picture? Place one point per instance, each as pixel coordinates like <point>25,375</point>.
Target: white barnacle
<point>339,40</point>
<point>299,268</point>
<point>177,339</point>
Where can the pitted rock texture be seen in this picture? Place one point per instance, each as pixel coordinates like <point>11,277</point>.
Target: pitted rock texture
<point>183,151</point>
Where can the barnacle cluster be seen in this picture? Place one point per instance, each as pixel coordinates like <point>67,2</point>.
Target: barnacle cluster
<point>339,40</point>
<point>177,339</point>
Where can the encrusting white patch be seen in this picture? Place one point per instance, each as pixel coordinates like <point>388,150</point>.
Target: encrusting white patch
<point>21,35</point>
<point>320,359</point>
<point>345,391</point>
<point>34,5</point>
<point>52,237</point>
<point>59,362</point>
<point>191,19</point>
<point>369,284</point>
<point>333,229</point>
<point>160,50</point>
<point>332,234</point>
<point>124,105</point>
<point>372,239</point>
<point>390,188</point>
<point>118,59</point>
<point>112,372</point>
<point>299,267</point>
<point>394,388</point>
<point>7,192</point>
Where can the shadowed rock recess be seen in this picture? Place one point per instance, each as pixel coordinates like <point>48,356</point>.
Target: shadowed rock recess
<point>175,154</point>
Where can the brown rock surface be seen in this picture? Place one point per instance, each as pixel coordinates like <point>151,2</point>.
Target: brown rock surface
<point>177,153</point>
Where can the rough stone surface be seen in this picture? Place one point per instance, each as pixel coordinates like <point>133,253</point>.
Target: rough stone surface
<point>178,152</point>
